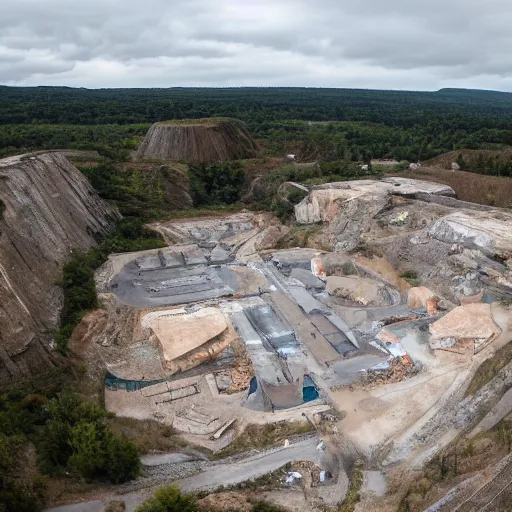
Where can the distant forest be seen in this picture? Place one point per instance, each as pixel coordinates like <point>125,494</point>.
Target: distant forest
<point>458,108</point>
<point>352,124</point>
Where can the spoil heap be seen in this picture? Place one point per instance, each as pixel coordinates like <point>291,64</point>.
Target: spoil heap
<point>198,141</point>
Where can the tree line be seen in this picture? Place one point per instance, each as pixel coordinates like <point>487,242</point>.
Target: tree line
<point>64,105</point>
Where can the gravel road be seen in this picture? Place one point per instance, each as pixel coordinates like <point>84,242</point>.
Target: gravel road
<point>252,467</point>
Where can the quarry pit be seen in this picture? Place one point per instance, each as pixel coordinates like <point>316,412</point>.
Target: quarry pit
<point>235,333</point>
<point>221,329</point>
<point>372,336</point>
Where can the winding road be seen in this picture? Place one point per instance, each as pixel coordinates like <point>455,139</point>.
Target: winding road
<point>215,475</point>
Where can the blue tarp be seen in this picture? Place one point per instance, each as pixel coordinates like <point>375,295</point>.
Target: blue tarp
<point>113,382</point>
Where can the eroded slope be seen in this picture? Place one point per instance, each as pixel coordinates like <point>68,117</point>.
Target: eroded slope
<point>48,211</point>
<point>198,141</point>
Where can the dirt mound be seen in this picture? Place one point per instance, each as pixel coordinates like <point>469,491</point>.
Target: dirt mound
<point>198,141</point>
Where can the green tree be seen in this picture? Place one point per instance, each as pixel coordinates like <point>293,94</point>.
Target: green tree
<point>122,463</point>
<point>78,439</point>
<point>89,457</point>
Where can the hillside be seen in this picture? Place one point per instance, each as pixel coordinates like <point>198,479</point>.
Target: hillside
<point>198,141</point>
<point>48,211</point>
<point>140,189</point>
<point>469,186</point>
<point>476,160</point>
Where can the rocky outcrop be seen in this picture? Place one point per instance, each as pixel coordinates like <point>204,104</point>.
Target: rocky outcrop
<point>198,141</point>
<point>469,322</point>
<point>179,334</point>
<point>420,298</point>
<point>48,211</point>
<point>362,291</point>
<point>325,201</point>
<point>349,207</point>
<point>487,231</point>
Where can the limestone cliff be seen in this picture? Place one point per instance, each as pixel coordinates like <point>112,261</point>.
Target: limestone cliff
<point>47,210</point>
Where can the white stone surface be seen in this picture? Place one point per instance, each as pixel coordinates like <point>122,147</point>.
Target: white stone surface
<point>489,231</point>
<point>323,203</point>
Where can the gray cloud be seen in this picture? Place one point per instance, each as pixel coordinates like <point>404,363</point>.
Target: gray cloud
<point>334,43</point>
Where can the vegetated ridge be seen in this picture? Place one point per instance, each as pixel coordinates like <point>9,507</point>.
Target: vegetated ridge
<point>469,186</point>
<point>198,141</point>
<point>146,190</point>
<point>492,162</point>
<point>49,210</point>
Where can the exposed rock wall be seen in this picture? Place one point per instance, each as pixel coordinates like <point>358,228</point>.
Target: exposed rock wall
<point>487,231</point>
<point>48,210</point>
<point>198,141</point>
<point>457,249</point>
<point>349,207</point>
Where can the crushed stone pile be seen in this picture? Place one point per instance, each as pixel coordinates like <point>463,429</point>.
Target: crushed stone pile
<point>241,374</point>
<point>401,368</point>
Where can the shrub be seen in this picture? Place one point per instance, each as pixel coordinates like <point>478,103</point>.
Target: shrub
<point>78,439</point>
<point>88,455</point>
<point>411,276</point>
<point>115,506</point>
<point>122,459</point>
<point>169,499</point>
<point>18,494</point>
<point>216,183</point>
<point>295,195</point>
<point>353,494</point>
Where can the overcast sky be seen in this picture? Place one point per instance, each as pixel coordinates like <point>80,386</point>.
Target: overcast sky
<point>389,44</point>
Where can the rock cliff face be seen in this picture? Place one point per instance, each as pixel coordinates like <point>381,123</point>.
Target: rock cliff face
<point>324,202</point>
<point>198,141</point>
<point>47,210</point>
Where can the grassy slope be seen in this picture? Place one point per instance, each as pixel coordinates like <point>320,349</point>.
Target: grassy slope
<point>445,160</point>
<point>475,188</point>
